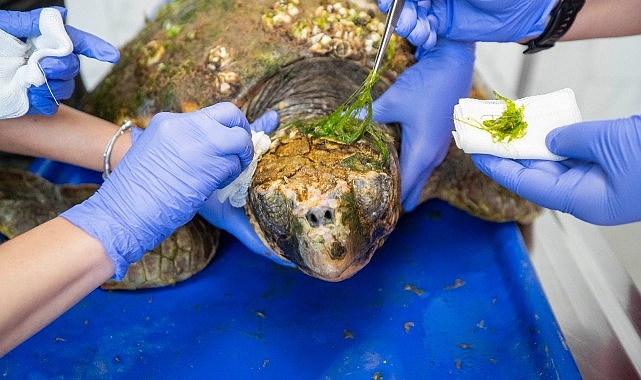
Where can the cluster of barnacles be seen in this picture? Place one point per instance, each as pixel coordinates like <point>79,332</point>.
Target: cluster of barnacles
<point>334,28</point>
<point>218,59</point>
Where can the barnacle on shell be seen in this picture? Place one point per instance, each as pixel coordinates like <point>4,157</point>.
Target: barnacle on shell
<point>332,29</point>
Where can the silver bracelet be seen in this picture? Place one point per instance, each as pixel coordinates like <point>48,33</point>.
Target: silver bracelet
<point>124,127</point>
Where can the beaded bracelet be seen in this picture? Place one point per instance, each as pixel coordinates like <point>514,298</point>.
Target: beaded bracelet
<point>124,127</point>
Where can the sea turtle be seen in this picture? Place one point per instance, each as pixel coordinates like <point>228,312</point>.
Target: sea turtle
<point>302,58</point>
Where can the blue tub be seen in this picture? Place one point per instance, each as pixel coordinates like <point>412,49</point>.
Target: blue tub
<point>447,296</point>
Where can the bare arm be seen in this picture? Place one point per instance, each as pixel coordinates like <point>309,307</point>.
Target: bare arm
<point>69,136</point>
<point>44,272</point>
<point>606,18</point>
<point>48,269</point>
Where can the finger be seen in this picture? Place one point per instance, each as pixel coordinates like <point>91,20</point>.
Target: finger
<point>226,114</point>
<point>61,89</point>
<point>603,142</point>
<point>266,123</point>
<point>544,165</point>
<point>384,106</point>
<point>226,141</point>
<point>45,107</point>
<point>225,170</point>
<point>430,43</point>
<point>41,101</point>
<point>20,24</point>
<point>60,68</point>
<point>526,182</point>
<point>240,144</point>
<point>384,5</point>
<point>24,24</point>
<point>91,46</point>
<point>407,20</point>
<point>421,33</point>
<point>571,141</point>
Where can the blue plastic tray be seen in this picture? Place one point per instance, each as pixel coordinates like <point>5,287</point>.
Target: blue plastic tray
<point>448,296</point>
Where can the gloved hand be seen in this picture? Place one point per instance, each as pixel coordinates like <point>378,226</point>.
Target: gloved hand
<point>601,181</point>
<point>471,20</point>
<point>59,71</point>
<point>164,178</point>
<point>233,219</point>
<point>422,100</point>
<point>415,22</point>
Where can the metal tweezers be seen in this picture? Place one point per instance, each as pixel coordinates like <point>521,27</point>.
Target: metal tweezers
<point>390,23</point>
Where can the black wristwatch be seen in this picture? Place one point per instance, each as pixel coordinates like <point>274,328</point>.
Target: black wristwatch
<point>561,18</point>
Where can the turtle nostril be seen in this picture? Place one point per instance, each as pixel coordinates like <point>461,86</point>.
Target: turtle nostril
<point>320,216</point>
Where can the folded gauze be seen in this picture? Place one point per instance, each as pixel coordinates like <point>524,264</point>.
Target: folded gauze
<point>19,68</point>
<point>542,113</point>
<point>236,191</point>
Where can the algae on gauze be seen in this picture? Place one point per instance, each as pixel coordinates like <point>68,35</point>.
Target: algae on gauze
<point>510,125</point>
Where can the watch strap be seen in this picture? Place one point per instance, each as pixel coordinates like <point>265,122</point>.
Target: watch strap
<point>561,18</point>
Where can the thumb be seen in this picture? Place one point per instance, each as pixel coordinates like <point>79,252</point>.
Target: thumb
<point>602,142</point>
<point>267,122</point>
<point>384,108</point>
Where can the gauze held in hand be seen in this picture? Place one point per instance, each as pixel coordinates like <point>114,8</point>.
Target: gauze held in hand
<point>237,190</point>
<point>542,113</point>
<point>19,61</point>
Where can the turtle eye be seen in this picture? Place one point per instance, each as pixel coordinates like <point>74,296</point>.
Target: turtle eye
<point>271,210</point>
<point>372,194</point>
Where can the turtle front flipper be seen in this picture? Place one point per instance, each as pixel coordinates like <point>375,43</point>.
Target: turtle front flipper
<point>457,181</point>
<point>27,200</point>
<point>186,252</point>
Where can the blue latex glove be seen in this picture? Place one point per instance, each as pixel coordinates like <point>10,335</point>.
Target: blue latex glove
<point>59,71</point>
<point>422,100</point>
<point>471,20</point>
<point>164,178</point>
<point>600,184</point>
<point>233,219</point>
<point>415,22</point>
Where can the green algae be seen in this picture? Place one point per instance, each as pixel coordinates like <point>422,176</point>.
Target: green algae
<point>352,119</point>
<point>510,125</point>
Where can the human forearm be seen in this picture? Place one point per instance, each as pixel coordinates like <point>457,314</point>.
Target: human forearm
<point>69,136</point>
<point>606,18</point>
<point>44,272</point>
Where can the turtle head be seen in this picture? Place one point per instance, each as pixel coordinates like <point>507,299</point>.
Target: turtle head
<point>324,209</point>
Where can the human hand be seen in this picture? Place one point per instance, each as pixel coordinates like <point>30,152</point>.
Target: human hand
<point>422,100</point>
<point>233,219</point>
<point>415,23</point>
<point>471,20</point>
<point>164,179</point>
<point>59,71</point>
<point>601,181</point>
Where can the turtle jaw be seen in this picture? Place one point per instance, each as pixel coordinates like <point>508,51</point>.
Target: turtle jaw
<point>331,253</point>
<point>328,241</point>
